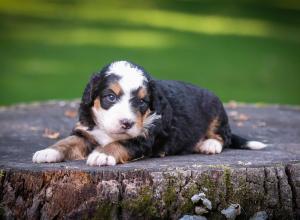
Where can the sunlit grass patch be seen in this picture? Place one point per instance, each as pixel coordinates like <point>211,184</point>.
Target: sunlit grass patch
<point>153,17</point>
<point>92,36</point>
<point>48,49</point>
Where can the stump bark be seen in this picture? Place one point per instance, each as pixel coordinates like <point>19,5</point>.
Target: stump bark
<point>153,188</point>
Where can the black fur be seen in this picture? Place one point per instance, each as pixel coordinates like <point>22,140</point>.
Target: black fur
<point>238,142</point>
<point>186,111</point>
<point>90,93</point>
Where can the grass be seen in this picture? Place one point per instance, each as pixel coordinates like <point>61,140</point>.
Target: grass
<point>245,50</point>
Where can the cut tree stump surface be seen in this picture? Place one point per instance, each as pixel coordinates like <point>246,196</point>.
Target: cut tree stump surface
<point>266,180</point>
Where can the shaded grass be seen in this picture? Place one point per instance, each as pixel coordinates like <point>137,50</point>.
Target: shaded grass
<point>47,53</point>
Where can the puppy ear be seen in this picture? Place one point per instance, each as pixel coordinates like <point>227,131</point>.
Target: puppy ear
<point>160,105</point>
<point>91,90</point>
<point>90,93</point>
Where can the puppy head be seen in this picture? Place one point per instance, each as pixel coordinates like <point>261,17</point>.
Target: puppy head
<point>119,101</point>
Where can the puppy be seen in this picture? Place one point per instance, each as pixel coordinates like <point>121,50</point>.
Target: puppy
<point>125,114</point>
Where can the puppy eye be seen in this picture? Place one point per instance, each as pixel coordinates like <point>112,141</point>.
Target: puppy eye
<point>142,102</point>
<point>111,97</point>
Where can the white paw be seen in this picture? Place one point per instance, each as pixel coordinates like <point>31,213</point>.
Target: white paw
<point>211,146</point>
<point>48,155</point>
<point>100,159</point>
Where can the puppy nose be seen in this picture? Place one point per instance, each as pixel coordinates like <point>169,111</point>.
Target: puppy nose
<point>126,124</point>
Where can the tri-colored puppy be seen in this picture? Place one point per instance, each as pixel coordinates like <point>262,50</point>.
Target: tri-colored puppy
<point>125,114</point>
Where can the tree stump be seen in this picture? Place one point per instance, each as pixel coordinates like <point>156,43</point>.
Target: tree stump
<point>266,180</point>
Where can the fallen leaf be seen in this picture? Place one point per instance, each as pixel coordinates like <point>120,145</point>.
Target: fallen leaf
<point>70,113</point>
<point>232,104</point>
<point>243,117</point>
<point>238,117</point>
<point>48,133</point>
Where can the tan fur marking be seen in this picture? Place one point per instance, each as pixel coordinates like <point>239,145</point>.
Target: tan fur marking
<point>116,88</point>
<point>210,134</point>
<point>198,146</point>
<point>97,103</point>
<point>142,93</point>
<point>117,150</point>
<point>141,118</point>
<point>72,147</point>
<point>212,129</point>
<point>82,130</point>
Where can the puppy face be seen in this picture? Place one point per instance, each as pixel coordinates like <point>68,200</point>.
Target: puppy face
<point>121,107</point>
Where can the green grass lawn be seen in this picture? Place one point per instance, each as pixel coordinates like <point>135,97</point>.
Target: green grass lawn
<point>244,50</point>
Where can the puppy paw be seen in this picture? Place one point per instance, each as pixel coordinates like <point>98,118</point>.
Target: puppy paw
<point>100,159</point>
<point>211,146</point>
<point>48,155</point>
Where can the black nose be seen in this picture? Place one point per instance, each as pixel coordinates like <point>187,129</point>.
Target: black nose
<point>126,124</point>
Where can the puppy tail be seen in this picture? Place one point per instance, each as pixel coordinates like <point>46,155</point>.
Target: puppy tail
<point>238,142</point>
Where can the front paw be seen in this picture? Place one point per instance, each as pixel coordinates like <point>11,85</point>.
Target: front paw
<point>211,146</point>
<point>48,155</point>
<point>100,159</point>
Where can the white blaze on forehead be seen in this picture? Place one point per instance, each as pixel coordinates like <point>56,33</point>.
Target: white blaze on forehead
<point>131,77</point>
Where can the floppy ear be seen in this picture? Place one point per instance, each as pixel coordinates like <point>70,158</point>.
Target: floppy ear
<point>90,93</point>
<point>91,89</point>
<point>160,105</point>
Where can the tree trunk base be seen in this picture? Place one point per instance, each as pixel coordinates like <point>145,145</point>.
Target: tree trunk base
<point>266,180</point>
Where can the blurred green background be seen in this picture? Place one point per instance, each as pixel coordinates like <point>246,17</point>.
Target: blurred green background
<point>243,50</point>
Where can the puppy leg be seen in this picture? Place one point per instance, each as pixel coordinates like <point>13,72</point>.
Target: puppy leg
<point>108,155</point>
<point>213,141</point>
<point>70,148</point>
<point>209,146</point>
